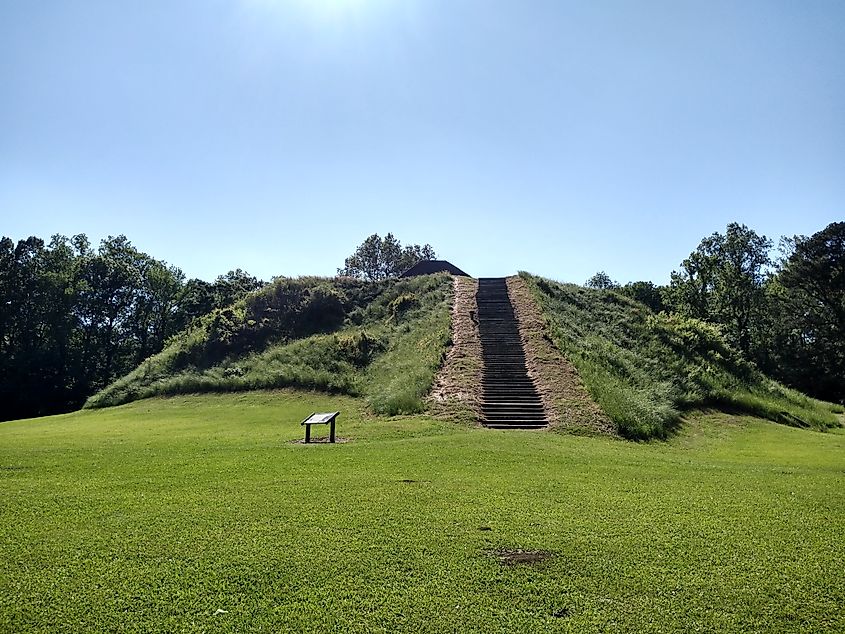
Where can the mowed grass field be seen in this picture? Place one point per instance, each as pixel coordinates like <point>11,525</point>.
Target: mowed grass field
<point>198,514</point>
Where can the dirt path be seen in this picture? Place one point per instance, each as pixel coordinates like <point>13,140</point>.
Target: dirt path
<point>457,388</point>
<point>566,400</point>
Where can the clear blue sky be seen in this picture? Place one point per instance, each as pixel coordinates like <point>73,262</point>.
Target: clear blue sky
<point>557,137</point>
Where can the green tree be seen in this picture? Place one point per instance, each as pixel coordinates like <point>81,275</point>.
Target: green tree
<point>7,293</point>
<point>646,293</point>
<point>196,298</point>
<point>72,319</point>
<point>601,280</point>
<point>234,285</point>
<point>380,258</point>
<point>156,305</point>
<point>808,343</point>
<point>111,279</point>
<point>723,281</point>
<point>39,361</point>
<point>691,290</point>
<point>23,305</point>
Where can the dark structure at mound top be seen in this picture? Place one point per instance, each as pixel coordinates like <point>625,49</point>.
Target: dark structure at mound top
<point>426,267</point>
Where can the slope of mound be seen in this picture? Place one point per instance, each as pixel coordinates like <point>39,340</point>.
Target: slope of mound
<point>645,368</point>
<point>569,405</point>
<point>382,340</point>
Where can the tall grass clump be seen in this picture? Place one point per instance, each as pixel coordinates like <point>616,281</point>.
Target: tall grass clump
<point>645,369</point>
<point>381,340</point>
<point>399,379</point>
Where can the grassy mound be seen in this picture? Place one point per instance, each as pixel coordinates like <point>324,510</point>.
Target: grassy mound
<point>381,340</point>
<point>645,368</point>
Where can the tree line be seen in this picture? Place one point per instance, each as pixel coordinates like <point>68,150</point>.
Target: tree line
<point>783,311</point>
<point>74,318</point>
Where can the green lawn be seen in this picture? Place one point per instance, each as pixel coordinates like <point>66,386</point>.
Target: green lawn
<point>156,515</point>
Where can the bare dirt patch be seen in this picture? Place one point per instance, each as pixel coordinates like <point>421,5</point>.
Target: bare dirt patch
<point>456,394</point>
<point>321,441</point>
<point>566,400</point>
<point>518,556</point>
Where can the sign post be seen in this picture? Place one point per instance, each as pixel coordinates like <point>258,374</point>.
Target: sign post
<point>325,418</point>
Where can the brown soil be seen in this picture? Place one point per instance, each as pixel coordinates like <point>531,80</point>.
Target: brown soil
<point>320,441</point>
<point>456,394</point>
<point>566,400</point>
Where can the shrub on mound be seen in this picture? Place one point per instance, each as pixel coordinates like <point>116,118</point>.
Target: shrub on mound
<point>383,340</point>
<point>645,369</point>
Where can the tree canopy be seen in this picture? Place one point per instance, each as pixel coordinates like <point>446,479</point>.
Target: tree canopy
<point>788,316</point>
<point>808,297</point>
<point>601,280</point>
<point>73,318</point>
<point>380,258</point>
<point>723,281</point>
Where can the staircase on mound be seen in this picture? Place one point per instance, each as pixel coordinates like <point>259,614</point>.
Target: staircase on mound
<point>509,397</point>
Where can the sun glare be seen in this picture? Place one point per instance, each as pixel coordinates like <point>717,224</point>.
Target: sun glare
<point>336,5</point>
<point>327,9</point>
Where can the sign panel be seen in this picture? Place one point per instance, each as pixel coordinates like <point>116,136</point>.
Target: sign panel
<point>320,418</point>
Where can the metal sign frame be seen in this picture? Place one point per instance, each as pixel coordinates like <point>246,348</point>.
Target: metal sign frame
<point>320,418</point>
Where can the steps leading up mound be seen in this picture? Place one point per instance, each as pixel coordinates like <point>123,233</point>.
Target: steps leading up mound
<point>509,398</point>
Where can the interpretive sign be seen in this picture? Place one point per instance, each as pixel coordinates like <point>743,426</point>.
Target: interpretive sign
<point>325,418</point>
